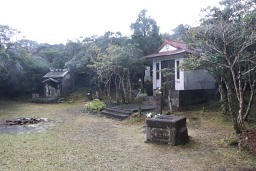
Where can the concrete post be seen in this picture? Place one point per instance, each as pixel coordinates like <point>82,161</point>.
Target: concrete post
<point>158,100</point>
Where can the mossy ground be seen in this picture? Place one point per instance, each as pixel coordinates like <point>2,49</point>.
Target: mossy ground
<point>80,141</point>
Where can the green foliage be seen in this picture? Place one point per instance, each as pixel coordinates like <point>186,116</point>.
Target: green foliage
<point>112,60</point>
<point>55,55</point>
<point>99,62</point>
<point>146,33</point>
<point>6,33</point>
<point>95,62</point>
<point>94,106</point>
<point>140,97</point>
<point>227,37</point>
<point>180,33</point>
<point>20,70</point>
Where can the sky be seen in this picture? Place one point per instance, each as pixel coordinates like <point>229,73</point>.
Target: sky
<point>56,21</point>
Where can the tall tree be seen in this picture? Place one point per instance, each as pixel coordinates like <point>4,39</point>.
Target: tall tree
<point>20,71</point>
<point>227,37</point>
<point>180,32</point>
<point>146,33</point>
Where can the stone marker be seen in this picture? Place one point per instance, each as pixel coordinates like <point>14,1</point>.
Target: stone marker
<point>158,101</point>
<point>166,129</point>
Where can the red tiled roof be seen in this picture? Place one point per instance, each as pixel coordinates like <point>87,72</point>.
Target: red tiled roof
<point>181,48</point>
<point>174,43</point>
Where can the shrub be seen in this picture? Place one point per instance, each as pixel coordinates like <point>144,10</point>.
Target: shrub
<point>95,106</point>
<point>247,140</point>
<point>140,97</point>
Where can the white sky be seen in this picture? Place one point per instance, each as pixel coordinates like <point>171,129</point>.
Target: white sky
<point>56,21</point>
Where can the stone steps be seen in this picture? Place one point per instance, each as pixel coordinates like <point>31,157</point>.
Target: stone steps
<point>147,108</point>
<point>116,113</point>
<point>123,111</point>
<point>120,112</point>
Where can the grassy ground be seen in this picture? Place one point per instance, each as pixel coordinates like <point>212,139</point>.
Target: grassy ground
<point>80,141</point>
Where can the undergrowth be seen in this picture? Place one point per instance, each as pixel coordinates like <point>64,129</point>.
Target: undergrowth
<point>94,106</point>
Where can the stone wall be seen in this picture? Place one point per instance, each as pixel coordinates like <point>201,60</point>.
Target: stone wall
<point>198,80</point>
<point>67,84</point>
<point>191,97</point>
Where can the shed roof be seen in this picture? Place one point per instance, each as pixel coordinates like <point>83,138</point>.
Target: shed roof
<point>50,79</point>
<point>56,73</point>
<point>167,53</point>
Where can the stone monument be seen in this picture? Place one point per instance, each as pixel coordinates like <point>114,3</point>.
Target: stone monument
<point>166,129</point>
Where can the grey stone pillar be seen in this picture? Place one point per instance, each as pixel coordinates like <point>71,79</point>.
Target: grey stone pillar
<point>158,100</point>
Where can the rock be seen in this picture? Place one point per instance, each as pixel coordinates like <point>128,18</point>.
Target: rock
<point>24,121</point>
<point>44,119</point>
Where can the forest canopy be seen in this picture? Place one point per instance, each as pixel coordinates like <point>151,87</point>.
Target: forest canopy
<point>94,61</point>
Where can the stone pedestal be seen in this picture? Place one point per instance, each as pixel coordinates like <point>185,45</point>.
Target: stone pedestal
<point>158,102</point>
<point>167,130</point>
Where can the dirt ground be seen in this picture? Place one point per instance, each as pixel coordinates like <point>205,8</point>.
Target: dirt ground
<point>80,141</point>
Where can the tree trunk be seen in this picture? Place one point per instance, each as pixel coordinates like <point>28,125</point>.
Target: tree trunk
<point>241,98</point>
<point>170,101</point>
<point>230,105</point>
<point>120,89</point>
<point>124,89</point>
<point>109,90</point>
<point>223,96</point>
<point>116,86</point>
<point>252,86</point>
<point>234,82</point>
<point>129,85</point>
<point>99,87</point>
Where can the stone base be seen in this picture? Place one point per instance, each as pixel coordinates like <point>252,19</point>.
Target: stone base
<point>167,130</point>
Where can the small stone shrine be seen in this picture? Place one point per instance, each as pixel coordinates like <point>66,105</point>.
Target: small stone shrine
<point>166,129</point>
<point>57,82</point>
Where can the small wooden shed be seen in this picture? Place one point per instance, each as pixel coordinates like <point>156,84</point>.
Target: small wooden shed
<point>57,82</point>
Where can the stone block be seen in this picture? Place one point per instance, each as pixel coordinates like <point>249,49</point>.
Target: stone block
<point>167,130</point>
